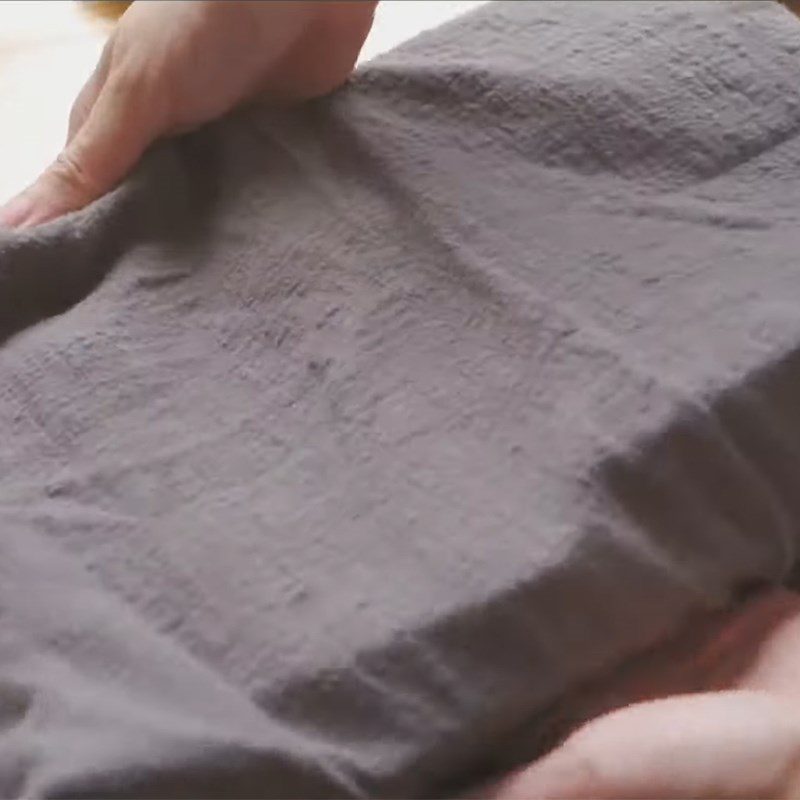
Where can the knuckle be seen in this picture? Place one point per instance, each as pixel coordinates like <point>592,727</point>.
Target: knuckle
<point>137,98</point>
<point>68,171</point>
<point>125,85</point>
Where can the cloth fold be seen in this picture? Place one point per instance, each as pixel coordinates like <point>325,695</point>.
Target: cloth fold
<point>339,444</point>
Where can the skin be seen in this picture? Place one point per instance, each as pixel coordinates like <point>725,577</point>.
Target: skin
<point>170,67</point>
<point>715,714</point>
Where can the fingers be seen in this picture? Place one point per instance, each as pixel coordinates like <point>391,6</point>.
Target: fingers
<point>735,744</point>
<point>108,134</point>
<point>81,107</point>
<point>87,96</point>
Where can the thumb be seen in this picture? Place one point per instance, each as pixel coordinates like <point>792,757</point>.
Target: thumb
<point>116,132</point>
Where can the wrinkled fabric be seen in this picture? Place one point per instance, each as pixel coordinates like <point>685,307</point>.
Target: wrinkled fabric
<point>339,444</point>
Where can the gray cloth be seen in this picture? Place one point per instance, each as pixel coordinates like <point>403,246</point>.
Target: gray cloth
<point>339,444</point>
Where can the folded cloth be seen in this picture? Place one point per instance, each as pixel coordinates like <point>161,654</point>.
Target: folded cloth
<point>338,444</point>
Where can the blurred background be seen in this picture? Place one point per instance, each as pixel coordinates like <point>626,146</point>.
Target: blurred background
<point>49,47</point>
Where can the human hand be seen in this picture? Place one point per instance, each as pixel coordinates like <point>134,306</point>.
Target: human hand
<point>170,67</point>
<point>734,744</point>
<point>716,713</point>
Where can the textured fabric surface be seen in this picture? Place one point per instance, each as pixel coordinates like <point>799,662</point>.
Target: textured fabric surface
<point>337,445</point>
